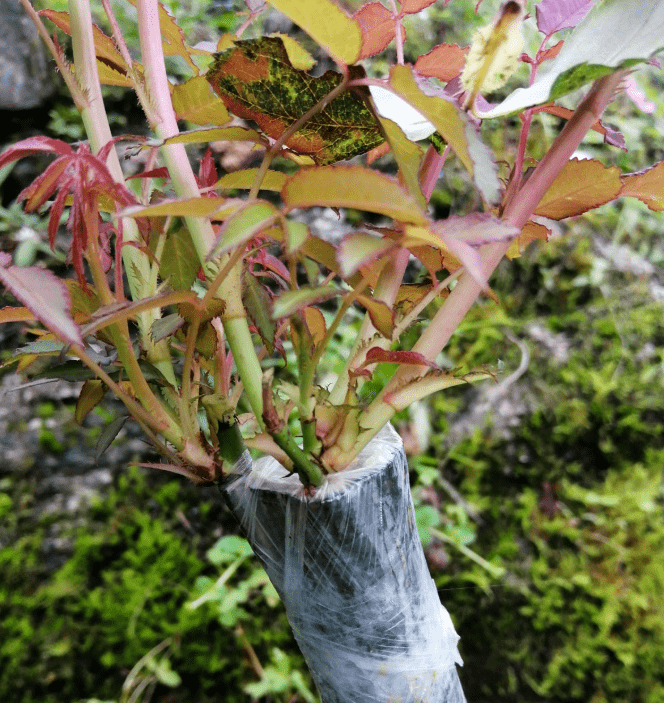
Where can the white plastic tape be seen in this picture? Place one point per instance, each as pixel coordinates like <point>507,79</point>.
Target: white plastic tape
<point>348,564</point>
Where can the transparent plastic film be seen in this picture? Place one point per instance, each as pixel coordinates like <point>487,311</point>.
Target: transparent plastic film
<point>348,564</point>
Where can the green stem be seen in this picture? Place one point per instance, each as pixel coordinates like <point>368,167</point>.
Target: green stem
<point>309,473</point>
<point>95,120</point>
<point>162,117</point>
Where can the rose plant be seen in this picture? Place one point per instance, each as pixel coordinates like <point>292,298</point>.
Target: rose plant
<point>189,286</point>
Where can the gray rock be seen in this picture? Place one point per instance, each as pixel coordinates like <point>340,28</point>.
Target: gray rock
<point>27,76</point>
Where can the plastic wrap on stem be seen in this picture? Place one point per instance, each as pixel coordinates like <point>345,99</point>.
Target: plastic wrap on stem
<point>348,564</point>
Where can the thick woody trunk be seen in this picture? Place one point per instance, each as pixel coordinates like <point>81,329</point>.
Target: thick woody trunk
<point>348,564</point>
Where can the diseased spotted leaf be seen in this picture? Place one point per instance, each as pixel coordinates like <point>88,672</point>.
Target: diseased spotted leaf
<point>581,186</point>
<point>494,52</point>
<point>256,81</point>
<point>44,294</point>
<point>647,186</point>
<point>328,24</point>
<point>352,187</point>
<point>195,102</point>
<point>554,15</point>
<point>444,62</point>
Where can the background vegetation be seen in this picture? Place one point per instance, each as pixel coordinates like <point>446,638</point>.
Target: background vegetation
<point>540,502</point>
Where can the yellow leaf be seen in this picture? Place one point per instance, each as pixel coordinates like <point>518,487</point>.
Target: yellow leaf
<point>328,24</point>
<point>195,102</point>
<point>352,187</point>
<point>647,186</point>
<point>581,186</point>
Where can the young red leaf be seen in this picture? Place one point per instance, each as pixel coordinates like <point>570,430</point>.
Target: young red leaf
<point>34,145</point>
<point>581,186</point>
<point>554,15</point>
<point>353,187</point>
<point>256,81</point>
<point>444,62</point>
<point>44,295</point>
<point>376,355</point>
<point>378,28</point>
<point>647,186</point>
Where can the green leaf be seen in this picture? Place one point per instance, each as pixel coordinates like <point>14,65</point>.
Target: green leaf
<point>243,225</point>
<point>328,24</point>
<point>228,549</point>
<point>408,156</point>
<point>187,207</point>
<point>256,81</point>
<point>257,303</point>
<point>359,248</point>
<point>290,301</point>
<point>615,34</point>
<point>352,187</point>
<point>179,263</point>
<point>195,102</point>
<point>212,134</point>
<point>109,433</point>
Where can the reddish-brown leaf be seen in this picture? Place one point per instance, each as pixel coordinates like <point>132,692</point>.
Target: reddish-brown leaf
<point>410,7</point>
<point>581,186</point>
<point>444,62</point>
<point>647,186</point>
<point>378,28</point>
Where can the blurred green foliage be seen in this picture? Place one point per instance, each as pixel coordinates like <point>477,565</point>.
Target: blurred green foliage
<point>118,612</point>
